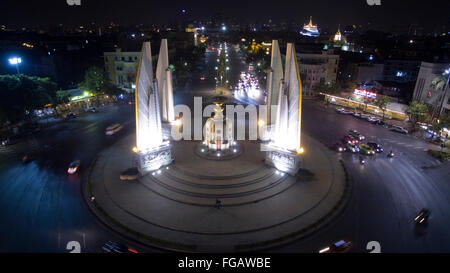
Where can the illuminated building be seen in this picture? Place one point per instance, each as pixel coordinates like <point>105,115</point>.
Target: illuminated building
<point>121,68</point>
<point>431,84</point>
<point>310,29</point>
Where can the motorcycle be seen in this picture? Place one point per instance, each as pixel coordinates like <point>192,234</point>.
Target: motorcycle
<point>362,161</point>
<point>391,154</point>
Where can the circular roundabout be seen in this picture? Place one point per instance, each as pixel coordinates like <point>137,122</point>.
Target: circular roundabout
<point>177,208</point>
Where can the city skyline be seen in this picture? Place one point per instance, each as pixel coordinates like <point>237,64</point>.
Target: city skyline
<point>388,16</point>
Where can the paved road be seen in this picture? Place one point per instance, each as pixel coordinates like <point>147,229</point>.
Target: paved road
<point>41,206</point>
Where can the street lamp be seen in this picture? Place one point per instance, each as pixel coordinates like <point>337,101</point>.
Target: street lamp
<point>15,61</point>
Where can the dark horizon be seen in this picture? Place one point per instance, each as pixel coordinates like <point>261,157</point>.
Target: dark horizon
<point>390,16</point>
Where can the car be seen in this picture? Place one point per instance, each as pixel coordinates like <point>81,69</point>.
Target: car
<point>356,134</point>
<point>130,174</point>
<point>73,167</point>
<point>376,147</point>
<point>352,148</point>
<point>372,119</point>
<point>350,139</point>
<point>422,217</point>
<point>365,149</point>
<point>71,116</point>
<point>363,116</point>
<point>202,78</point>
<point>378,122</point>
<point>345,112</point>
<point>113,129</point>
<point>93,110</point>
<point>340,147</point>
<point>358,115</point>
<point>115,247</point>
<point>340,110</point>
<point>341,246</point>
<point>399,129</point>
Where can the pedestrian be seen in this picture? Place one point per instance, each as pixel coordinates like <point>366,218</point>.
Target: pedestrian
<point>218,204</point>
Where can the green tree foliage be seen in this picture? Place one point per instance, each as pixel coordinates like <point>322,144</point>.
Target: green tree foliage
<point>97,82</point>
<point>382,102</point>
<point>94,80</point>
<point>21,94</point>
<point>444,122</point>
<point>417,112</point>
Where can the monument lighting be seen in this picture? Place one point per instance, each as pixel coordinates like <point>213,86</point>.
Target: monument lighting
<point>285,145</point>
<point>154,104</point>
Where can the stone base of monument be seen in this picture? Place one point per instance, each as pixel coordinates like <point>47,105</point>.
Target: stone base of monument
<point>232,151</point>
<point>284,161</point>
<point>154,159</point>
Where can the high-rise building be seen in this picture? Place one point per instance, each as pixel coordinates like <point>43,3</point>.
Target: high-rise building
<point>431,84</point>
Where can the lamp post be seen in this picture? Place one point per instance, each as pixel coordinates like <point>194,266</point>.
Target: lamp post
<point>15,61</point>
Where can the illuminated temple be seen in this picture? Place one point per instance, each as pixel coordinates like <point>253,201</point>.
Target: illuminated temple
<point>310,29</point>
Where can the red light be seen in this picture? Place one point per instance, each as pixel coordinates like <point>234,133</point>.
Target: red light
<point>132,250</point>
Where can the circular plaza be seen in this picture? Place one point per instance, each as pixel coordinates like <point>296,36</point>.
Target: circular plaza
<point>199,204</point>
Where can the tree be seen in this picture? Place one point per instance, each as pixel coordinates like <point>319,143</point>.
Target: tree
<point>440,124</point>
<point>21,94</point>
<point>382,102</point>
<point>94,81</point>
<point>416,112</point>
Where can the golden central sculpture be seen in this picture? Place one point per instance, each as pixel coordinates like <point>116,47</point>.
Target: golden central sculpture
<point>218,130</point>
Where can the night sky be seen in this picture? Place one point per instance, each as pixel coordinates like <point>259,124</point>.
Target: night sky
<point>327,13</point>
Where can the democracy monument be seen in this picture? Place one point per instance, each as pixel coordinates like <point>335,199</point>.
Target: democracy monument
<point>218,193</point>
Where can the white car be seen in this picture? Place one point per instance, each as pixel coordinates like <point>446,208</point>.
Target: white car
<point>356,134</point>
<point>113,129</point>
<point>399,129</point>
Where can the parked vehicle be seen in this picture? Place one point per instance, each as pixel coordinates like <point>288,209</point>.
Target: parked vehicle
<point>71,116</point>
<point>399,129</point>
<point>130,174</point>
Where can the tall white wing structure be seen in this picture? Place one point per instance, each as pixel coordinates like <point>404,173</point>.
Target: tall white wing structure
<point>285,146</point>
<point>153,151</point>
<point>164,79</point>
<point>274,78</point>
